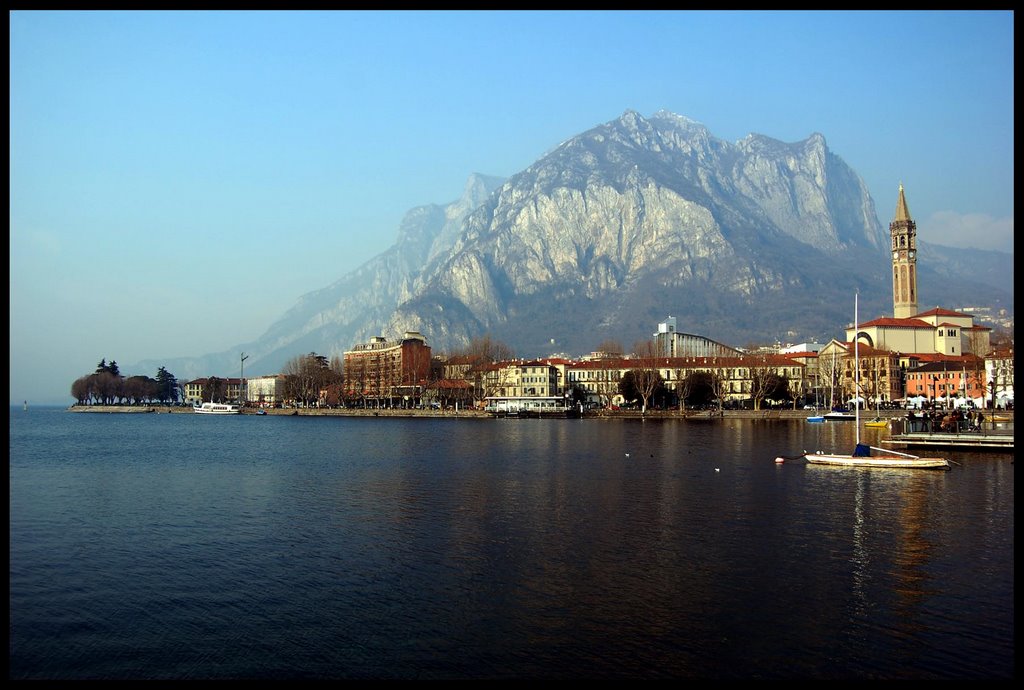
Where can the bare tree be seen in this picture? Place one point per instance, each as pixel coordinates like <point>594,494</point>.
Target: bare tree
<point>306,376</point>
<point>796,389</point>
<point>979,345</point>
<point>720,383</point>
<point>683,386</point>
<point>698,386</point>
<point>646,377</point>
<point>642,384</point>
<point>830,370</point>
<point>612,348</point>
<point>493,379</point>
<point>139,389</point>
<point>764,380</point>
<point>486,349</point>
<point>105,387</point>
<point>482,354</point>
<point>80,390</point>
<point>608,383</point>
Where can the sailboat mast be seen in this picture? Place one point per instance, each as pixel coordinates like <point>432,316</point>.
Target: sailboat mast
<point>833,375</point>
<point>856,365</point>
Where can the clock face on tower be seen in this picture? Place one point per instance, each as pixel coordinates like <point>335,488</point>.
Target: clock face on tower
<point>895,255</point>
<point>911,255</point>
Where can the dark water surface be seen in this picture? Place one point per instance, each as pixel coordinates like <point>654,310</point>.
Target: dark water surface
<point>183,547</point>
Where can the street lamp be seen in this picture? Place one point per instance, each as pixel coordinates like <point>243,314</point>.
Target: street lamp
<point>241,379</point>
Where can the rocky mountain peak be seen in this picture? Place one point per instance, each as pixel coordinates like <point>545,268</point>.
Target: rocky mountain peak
<point>603,236</point>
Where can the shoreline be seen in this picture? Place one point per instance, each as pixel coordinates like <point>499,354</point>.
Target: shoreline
<point>774,414</point>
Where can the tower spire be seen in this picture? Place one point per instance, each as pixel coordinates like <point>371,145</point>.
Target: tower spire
<point>902,212</point>
<point>903,232</point>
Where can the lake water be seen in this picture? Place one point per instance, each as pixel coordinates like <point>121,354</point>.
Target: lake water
<point>156,546</point>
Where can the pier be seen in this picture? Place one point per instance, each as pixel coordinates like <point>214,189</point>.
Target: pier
<point>963,441</point>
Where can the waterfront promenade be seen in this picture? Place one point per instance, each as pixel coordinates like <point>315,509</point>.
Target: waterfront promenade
<point>789,414</point>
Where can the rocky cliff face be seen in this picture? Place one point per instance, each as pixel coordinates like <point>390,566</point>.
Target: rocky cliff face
<point>606,235</point>
<point>640,213</point>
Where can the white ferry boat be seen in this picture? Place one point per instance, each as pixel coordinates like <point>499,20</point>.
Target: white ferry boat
<point>216,408</point>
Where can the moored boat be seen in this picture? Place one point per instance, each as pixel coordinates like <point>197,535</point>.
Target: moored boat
<point>869,456</point>
<point>216,408</point>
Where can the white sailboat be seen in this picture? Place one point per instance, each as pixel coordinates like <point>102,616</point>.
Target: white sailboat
<point>869,456</point>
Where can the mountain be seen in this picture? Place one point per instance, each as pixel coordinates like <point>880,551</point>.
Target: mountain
<point>612,231</point>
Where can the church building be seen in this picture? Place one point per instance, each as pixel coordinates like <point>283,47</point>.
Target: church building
<point>938,331</point>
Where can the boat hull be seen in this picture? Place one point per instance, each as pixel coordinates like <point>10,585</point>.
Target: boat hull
<point>216,408</point>
<point>892,461</point>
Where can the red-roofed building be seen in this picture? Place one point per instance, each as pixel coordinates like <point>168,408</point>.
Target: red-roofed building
<point>941,380</point>
<point>212,389</point>
<point>937,330</point>
<point>734,377</point>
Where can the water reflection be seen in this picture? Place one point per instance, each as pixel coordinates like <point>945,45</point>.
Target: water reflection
<point>503,549</point>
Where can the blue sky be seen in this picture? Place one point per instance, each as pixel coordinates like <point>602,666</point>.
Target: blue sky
<point>180,179</point>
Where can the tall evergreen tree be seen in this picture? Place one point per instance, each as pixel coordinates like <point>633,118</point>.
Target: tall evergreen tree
<point>111,368</point>
<point>167,386</point>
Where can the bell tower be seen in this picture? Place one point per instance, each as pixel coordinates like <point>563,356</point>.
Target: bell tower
<point>904,261</point>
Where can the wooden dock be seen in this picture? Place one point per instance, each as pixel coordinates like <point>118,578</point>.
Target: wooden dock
<point>944,439</point>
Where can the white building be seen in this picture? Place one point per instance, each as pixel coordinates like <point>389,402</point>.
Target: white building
<point>938,331</point>
<point>265,391</point>
<point>999,376</point>
<point>671,343</point>
<point>801,348</point>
